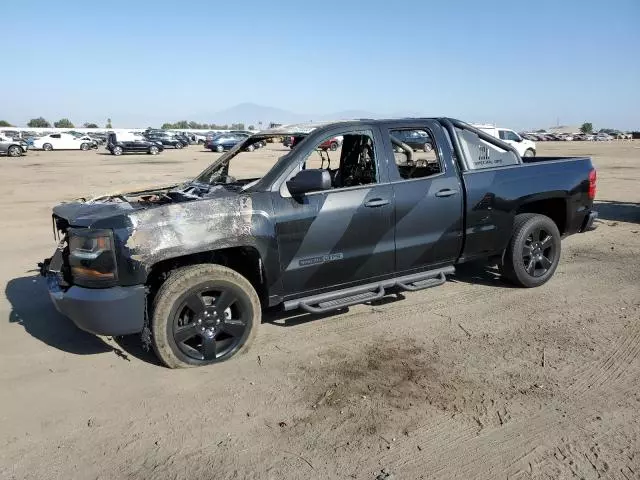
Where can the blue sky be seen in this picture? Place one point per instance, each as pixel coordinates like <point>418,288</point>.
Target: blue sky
<point>519,63</point>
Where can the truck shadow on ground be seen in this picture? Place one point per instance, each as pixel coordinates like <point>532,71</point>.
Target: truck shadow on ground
<point>32,309</point>
<point>479,274</point>
<point>618,211</point>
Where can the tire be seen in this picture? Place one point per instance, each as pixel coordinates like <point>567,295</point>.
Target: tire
<point>333,146</point>
<point>219,149</point>
<point>117,151</point>
<point>533,253</point>
<point>84,147</point>
<point>200,142</point>
<point>14,151</point>
<point>47,147</point>
<point>179,145</point>
<point>529,153</point>
<point>172,316</point>
<point>427,147</point>
<point>250,148</point>
<point>153,150</point>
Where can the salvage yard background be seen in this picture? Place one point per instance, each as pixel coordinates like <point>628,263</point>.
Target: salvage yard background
<point>473,379</point>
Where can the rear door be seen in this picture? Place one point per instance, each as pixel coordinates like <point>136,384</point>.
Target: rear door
<point>428,198</point>
<point>343,236</point>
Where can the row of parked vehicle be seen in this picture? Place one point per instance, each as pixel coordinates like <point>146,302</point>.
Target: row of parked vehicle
<point>569,137</point>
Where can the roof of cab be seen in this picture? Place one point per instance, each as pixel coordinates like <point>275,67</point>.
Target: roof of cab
<point>306,128</point>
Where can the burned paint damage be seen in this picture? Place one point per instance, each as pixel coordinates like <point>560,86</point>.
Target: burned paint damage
<point>183,228</point>
<point>152,225</point>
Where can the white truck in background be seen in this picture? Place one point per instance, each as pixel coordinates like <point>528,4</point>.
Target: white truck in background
<point>526,148</point>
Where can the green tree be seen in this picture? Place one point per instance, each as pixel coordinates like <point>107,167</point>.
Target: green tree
<point>167,126</point>
<point>587,127</point>
<point>4,123</point>
<point>108,125</point>
<point>63,123</point>
<point>90,125</point>
<point>38,123</point>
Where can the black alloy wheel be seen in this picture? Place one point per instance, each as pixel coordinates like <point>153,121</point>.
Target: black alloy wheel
<point>204,314</point>
<point>533,253</point>
<point>210,324</point>
<point>538,252</point>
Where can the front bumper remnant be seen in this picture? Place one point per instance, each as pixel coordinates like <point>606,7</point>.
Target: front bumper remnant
<point>101,311</point>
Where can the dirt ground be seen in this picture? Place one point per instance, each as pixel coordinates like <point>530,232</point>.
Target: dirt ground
<point>472,379</point>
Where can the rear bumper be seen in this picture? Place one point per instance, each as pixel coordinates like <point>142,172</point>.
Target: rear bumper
<point>589,221</point>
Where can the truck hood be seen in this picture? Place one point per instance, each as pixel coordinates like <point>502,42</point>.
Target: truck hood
<point>111,210</point>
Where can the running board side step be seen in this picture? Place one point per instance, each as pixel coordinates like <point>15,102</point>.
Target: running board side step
<point>326,302</point>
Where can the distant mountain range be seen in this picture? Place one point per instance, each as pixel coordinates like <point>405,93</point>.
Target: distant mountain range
<point>253,114</point>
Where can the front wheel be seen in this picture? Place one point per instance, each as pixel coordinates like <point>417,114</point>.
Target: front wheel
<point>84,147</point>
<point>533,253</point>
<point>153,150</point>
<point>14,151</point>
<point>47,147</point>
<point>333,146</point>
<point>219,149</point>
<point>529,153</point>
<point>204,314</point>
<point>117,151</point>
<point>179,145</point>
<point>427,147</point>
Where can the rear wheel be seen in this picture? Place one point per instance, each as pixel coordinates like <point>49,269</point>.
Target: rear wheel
<point>14,151</point>
<point>529,153</point>
<point>153,150</point>
<point>204,314</point>
<point>179,145</point>
<point>333,146</point>
<point>533,253</point>
<point>47,147</point>
<point>117,150</point>
<point>250,148</point>
<point>84,147</point>
<point>427,147</point>
<point>219,149</point>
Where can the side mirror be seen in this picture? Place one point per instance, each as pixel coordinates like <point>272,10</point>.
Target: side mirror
<point>311,180</point>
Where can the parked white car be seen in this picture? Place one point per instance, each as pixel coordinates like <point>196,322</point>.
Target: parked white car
<point>526,148</point>
<point>60,141</point>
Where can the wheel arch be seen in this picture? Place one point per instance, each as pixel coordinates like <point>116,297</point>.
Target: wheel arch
<point>553,207</point>
<point>246,260</point>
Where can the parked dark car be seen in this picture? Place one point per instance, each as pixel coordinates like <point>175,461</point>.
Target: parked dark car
<point>183,138</point>
<point>191,266</point>
<point>165,139</point>
<point>416,139</point>
<point>118,144</point>
<point>225,141</point>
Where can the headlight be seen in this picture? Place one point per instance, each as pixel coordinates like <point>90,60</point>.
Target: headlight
<point>92,257</point>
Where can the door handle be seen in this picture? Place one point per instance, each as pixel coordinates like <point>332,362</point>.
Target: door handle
<point>447,192</point>
<point>376,202</point>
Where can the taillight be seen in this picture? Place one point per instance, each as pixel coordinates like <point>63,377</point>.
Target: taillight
<point>593,176</point>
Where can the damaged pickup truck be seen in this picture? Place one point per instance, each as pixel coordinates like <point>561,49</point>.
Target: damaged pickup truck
<point>192,266</point>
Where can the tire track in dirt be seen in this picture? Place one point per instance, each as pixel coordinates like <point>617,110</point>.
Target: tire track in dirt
<point>601,373</point>
<point>498,450</point>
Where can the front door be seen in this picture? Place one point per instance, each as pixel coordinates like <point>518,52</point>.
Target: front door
<point>428,199</point>
<point>343,236</point>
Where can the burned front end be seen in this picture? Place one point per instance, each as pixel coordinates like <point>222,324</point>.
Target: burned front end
<point>106,247</point>
<point>83,281</point>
